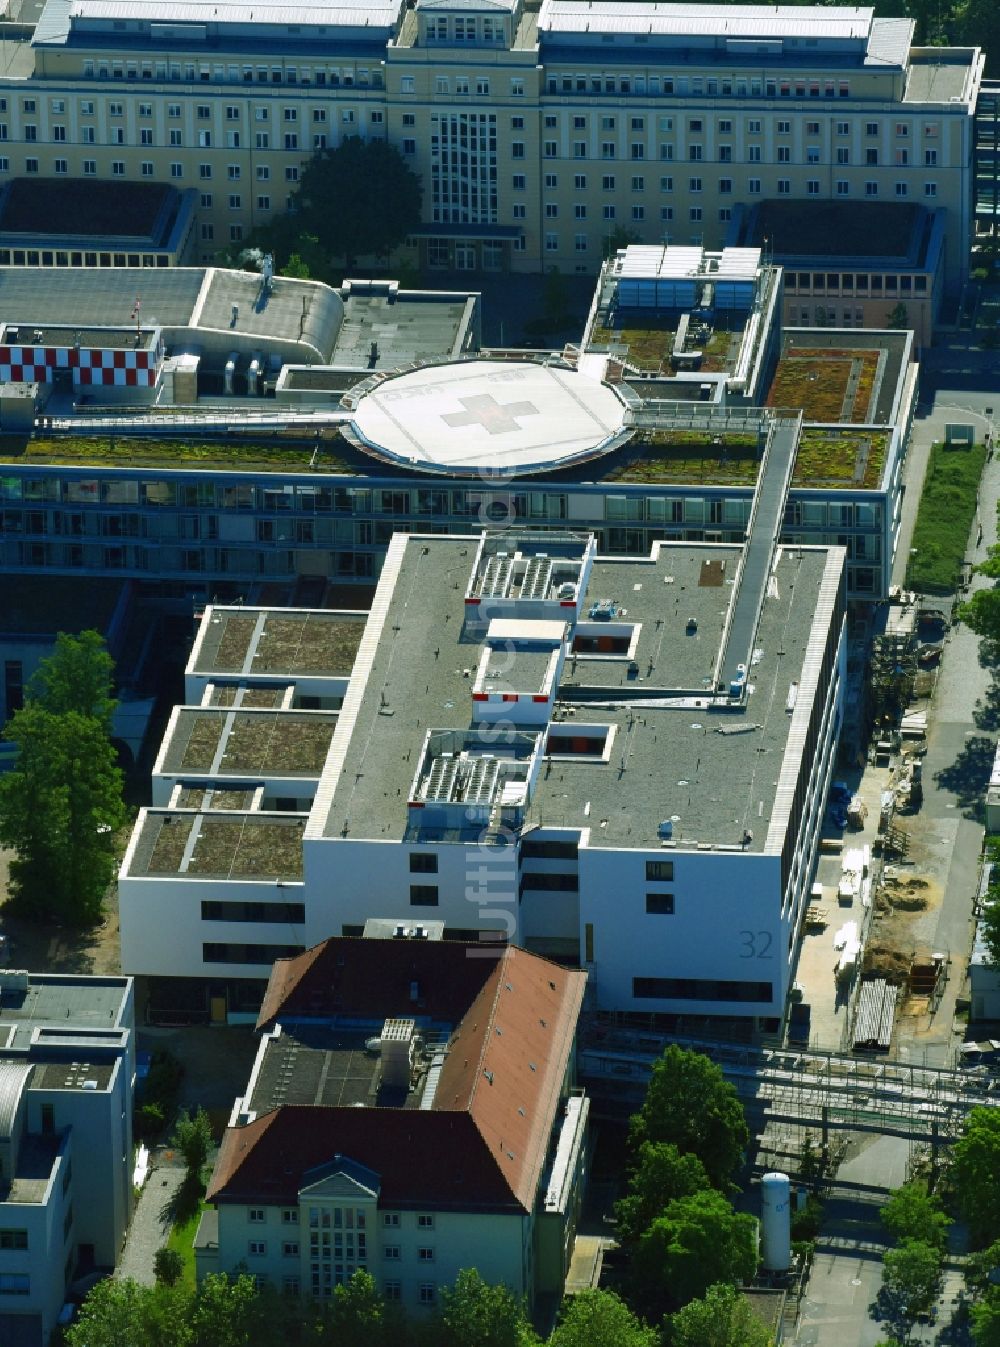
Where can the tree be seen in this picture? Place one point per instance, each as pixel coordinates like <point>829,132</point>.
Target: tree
<point>358,1315</point>
<point>690,1104</point>
<point>59,810</point>
<point>296,268</point>
<point>192,1136</point>
<point>898,318</point>
<point>981,1267</point>
<point>600,1319</point>
<point>223,1314</point>
<point>985,1317</point>
<point>697,1242</point>
<point>661,1174</point>
<point>168,1266</point>
<point>914,1213</point>
<point>976,1174</point>
<point>124,1314</point>
<point>476,1314</point>
<point>981,613</point>
<point>359,199</point>
<point>620,237</point>
<point>912,1272</point>
<point>77,676</point>
<point>721,1318</point>
<point>554,298</point>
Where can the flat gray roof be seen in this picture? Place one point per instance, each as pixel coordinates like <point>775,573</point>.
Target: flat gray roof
<point>326,1065</point>
<point>62,1001</point>
<point>407,329</point>
<point>99,338</point>
<point>664,760</point>
<point>191,299</point>
<point>939,75</point>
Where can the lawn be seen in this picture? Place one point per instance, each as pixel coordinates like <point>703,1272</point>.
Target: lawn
<point>686,456</point>
<point>274,455</point>
<point>648,346</point>
<point>817,382</point>
<point>183,1231</point>
<point>944,518</point>
<point>840,458</point>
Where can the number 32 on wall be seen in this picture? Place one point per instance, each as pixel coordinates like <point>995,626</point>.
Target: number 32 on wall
<point>755,945</point>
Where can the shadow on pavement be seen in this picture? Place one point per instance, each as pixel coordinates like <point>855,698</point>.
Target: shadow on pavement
<point>968,776</point>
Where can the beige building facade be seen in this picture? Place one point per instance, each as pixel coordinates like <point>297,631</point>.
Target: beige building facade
<point>540,134</point>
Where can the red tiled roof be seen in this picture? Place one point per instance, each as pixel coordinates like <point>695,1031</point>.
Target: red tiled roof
<point>484,1141</point>
<point>367,976</point>
<point>423,1158</point>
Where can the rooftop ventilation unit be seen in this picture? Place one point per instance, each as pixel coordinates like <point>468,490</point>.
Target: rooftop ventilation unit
<point>665,829</point>
<point>604,610</point>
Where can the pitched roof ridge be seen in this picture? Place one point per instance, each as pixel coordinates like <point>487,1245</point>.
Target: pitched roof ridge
<point>490,1025</point>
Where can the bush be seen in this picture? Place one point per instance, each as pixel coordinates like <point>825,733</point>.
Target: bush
<point>149,1121</point>
<point>168,1266</point>
<point>944,518</point>
<point>807,1221</point>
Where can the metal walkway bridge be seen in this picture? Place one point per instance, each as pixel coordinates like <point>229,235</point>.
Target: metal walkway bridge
<point>825,1091</point>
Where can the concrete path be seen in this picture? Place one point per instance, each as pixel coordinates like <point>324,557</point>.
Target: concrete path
<point>150,1222</point>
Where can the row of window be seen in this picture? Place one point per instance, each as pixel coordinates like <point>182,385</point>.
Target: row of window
<point>756,86</point>
<point>849,281</point>
<point>307,532</point>
<point>203,72</point>
<point>335,1218</point>
<point>696,126</point>
<point>219,910</point>
<point>581,149</point>
<point>346,565</point>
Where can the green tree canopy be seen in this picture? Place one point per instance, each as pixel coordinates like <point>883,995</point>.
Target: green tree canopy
<point>600,1319</point>
<point>477,1314</point>
<point>224,1312</point>
<point>661,1174</point>
<point>59,810</point>
<point>697,1242</point>
<point>192,1136</point>
<point>691,1104</point>
<point>913,1213</point>
<point>981,613</point>
<point>912,1272</point>
<point>976,1173</point>
<point>360,199</point>
<point>359,1317</point>
<point>123,1314</point>
<point>723,1317</point>
<point>985,1317</point>
<point>898,317</point>
<point>77,676</point>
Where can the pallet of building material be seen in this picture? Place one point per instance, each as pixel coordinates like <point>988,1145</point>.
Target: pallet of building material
<point>875,1015</point>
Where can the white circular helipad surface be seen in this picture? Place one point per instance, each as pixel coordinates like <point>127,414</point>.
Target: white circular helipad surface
<point>496,417</point>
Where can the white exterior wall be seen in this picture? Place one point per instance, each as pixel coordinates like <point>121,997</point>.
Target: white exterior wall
<point>497,1245</point>
<point>44,1259</point>
<point>354,880</point>
<point>101,1189</point>
<point>162,931</point>
<point>727,925</point>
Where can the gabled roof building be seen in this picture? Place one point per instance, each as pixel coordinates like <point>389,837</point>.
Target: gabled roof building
<point>411,1111</point>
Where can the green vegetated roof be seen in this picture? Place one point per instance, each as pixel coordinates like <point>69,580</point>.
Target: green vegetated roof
<point>285,454</point>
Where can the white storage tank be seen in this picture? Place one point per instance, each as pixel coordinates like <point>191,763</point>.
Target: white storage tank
<point>776,1222</point>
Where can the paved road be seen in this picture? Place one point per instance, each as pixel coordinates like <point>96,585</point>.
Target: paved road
<point>964,711</point>
<point>151,1221</point>
<point>957,384</point>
